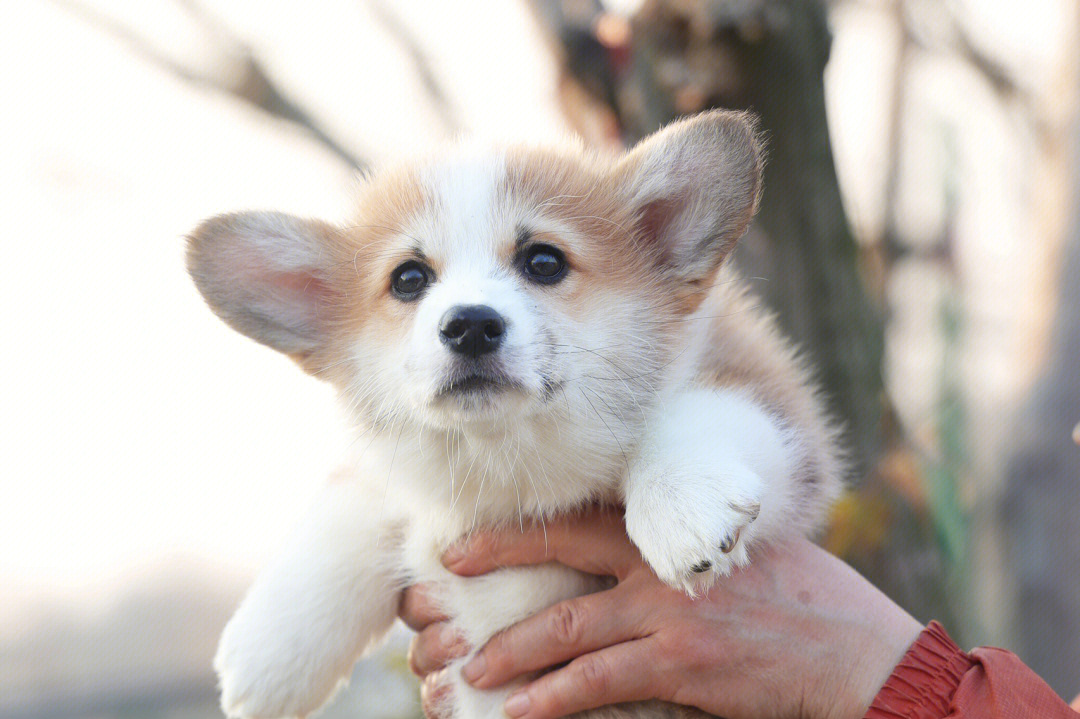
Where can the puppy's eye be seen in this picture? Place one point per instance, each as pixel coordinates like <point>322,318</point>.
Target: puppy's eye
<point>544,264</point>
<point>409,280</point>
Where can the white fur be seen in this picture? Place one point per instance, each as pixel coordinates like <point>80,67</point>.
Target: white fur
<point>708,467</point>
<point>596,417</point>
<point>708,460</point>
<point>308,617</point>
<point>465,185</point>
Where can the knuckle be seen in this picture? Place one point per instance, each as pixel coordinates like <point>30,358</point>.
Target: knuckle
<point>595,676</point>
<point>567,623</point>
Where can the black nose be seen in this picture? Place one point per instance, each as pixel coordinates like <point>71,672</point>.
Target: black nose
<point>472,330</point>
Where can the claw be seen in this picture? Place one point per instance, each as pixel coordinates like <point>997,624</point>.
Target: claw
<point>729,543</point>
<point>702,566</point>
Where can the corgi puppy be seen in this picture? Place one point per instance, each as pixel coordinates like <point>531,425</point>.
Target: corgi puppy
<point>518,333</point>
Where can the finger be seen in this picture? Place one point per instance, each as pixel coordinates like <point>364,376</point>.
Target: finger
<point>557,634</point>
<point>417,609</point>
<point>595,542</point>
<point>435,696</point>
<point>622,673</point>
<point>433,647</point>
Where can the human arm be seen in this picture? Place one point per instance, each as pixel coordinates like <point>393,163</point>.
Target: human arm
<point>761,644</point>
<point>937,680</point>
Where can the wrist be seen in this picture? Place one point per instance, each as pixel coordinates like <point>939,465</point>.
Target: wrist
<point>925,680</point>
<point>861,663</point>
<point>895,641</point>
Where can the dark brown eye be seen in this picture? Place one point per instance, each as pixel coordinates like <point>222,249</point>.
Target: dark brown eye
<point>410,279</point>
<point>544,264</point>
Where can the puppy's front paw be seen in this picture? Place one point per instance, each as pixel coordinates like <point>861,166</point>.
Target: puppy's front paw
<point>273,665</point>
<point>691,526</point>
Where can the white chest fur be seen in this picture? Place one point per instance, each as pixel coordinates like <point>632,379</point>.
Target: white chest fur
<point>709,466</point>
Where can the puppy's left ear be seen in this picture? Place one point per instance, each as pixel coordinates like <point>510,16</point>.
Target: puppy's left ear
<point>694,186</point>
<point>269,276</point>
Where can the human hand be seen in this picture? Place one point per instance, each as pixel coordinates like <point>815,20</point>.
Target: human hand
<point>797,633</point>
<point>434,645</point>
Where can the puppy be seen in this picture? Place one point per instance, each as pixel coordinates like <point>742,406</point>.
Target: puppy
<point>518,333</point>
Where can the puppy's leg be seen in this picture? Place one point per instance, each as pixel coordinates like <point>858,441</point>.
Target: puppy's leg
<point>712,475</point>
<point>307,618</point>
<point>482,606</point>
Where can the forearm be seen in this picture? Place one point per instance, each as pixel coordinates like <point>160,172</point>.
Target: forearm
<point>937,680</point>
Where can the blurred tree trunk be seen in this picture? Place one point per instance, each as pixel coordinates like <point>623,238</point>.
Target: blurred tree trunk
<point>676,57</point>
<point>1041,506</point>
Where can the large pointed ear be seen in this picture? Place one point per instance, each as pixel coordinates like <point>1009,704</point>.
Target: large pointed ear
<point>268,275</point>
<point>694,186</point>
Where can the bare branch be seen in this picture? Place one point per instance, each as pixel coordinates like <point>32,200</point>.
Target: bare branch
<point>244,78</point>
<point>401,34</point>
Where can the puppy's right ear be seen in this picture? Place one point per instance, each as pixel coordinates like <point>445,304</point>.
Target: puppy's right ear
<point>268,275</point>
<point>695,185</point>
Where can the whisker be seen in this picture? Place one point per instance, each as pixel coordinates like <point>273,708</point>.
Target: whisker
<point>601,418</point>
<point>396,230</point>
<point>331,366</point>
<point>601,219</point>
<point>716,317</point>
<point>611,409</point>
<point>389,472</point>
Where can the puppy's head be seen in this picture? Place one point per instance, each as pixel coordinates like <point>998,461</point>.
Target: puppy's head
<point>495,285</point>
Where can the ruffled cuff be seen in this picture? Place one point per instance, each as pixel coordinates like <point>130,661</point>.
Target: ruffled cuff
<point>924,682</point>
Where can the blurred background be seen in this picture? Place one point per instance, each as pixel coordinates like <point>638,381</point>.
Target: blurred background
<point>919,235</point>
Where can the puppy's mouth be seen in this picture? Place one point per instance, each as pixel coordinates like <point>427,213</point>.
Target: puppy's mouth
<point>476,384</point>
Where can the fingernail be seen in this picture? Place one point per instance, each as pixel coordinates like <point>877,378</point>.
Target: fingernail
<point>517,705</point>
<point>475,668</point>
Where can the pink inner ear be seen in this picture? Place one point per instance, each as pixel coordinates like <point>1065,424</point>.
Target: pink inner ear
<point>655,224</point>
<point>300,283</point>
<point>297,297</point>
<point>286,308</point>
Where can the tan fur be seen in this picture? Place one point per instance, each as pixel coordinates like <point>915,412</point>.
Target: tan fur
<point>749,351</point>
<point>647,317</point>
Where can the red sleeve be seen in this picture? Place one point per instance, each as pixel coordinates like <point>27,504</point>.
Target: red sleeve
<point>936,680</point>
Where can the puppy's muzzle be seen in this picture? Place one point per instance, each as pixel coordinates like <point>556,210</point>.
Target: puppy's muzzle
<point>472,330</point>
